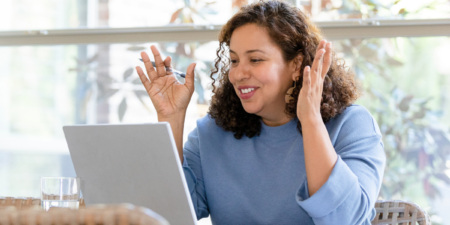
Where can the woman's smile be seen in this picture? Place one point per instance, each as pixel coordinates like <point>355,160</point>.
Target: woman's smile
<point>246,92</point>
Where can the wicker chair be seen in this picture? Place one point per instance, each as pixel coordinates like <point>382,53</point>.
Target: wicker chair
<point>399,212</point>
<point>19,203</point>
<point>27,211</point>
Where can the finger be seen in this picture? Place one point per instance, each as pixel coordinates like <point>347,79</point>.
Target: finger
<point>307,78</point>
<point>317,64</point>
<point>322,44</point>
<point>327,60</point>
<point>160,68</point>
<point>167,64</point>
<point>189,79</point>
<point>149,67</point>
<point>317,59</point>
<point>318,72</point>
<point>143,78</point>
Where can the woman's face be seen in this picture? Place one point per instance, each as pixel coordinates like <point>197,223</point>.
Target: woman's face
<point>258,72</point>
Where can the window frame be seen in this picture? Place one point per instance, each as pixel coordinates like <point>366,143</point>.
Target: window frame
<point>344,29</point>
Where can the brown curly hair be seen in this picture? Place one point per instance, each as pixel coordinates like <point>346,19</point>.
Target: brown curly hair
<point>294,34</point>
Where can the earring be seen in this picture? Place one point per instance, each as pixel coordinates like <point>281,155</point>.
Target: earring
<point>288,97</point>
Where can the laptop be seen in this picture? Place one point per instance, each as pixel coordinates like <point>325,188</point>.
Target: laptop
<point>131,163</point>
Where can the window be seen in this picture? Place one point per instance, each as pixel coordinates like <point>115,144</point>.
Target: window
<point>405,83</point>
<point>90,84</point>
<point>326,10</point>
<point>76,14</point>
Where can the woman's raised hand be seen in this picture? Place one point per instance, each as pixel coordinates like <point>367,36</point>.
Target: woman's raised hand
<point>310,97</point>
<point>170,97</point>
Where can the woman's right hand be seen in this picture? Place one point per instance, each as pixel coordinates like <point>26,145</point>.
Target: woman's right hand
<point>170,97</point>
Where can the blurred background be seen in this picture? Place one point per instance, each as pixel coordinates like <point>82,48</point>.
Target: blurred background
<point>81,78</point>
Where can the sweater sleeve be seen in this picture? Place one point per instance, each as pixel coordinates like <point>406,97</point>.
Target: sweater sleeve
<point>349,194</point>
<point>193,173</point>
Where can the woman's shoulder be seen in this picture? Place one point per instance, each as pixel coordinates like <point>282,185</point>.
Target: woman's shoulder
<point>208,132</point>
<point>206,122</point>
<point>207,125</point>
<point>354,110</point>
<point>356,118</point>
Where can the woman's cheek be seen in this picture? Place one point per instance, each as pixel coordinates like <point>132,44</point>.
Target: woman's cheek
<point>232,80</point>
<point>231,76</point>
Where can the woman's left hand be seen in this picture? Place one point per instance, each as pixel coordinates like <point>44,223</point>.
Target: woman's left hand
<point>310,97</point>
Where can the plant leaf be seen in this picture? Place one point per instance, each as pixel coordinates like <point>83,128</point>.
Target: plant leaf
<point>127,73</point>
<point>394,62</point>
<point>175,15</point>
<point>122,108</point>
<point>420,114</point>
<point>404,104</point>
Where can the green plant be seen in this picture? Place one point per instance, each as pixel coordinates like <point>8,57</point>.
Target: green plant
<point>417,146</point>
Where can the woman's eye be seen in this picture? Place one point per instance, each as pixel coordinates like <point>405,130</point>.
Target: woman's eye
<point>233,61</point>
<point>256,60</point>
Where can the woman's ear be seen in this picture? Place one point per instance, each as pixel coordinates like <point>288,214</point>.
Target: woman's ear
<point>298,65</point>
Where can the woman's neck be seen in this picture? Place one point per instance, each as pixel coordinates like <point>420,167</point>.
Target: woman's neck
<point>276,121</point>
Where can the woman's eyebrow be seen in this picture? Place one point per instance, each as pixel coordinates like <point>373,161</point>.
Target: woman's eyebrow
<point>249,51</point>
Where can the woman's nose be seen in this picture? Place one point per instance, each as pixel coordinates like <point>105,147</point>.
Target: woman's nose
<point>241,72</point>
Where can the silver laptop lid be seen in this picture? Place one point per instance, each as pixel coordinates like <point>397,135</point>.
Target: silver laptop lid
<point>131,163</point>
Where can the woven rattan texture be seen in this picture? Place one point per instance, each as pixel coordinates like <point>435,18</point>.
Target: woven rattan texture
<point>27,211</point>
<point>19,203</point>
<point>399,212</point>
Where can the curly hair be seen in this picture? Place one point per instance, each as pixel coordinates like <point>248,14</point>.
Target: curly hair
<point>294,33</point>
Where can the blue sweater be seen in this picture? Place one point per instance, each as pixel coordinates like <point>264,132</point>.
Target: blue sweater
<point>262,180</point>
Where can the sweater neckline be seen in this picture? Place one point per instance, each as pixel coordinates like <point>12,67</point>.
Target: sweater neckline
<point>286,130</point>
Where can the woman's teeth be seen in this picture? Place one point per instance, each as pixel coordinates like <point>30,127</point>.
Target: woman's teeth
<point>245,91</point>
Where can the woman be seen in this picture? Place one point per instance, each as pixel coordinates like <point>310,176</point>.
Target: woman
<point>282,142</point>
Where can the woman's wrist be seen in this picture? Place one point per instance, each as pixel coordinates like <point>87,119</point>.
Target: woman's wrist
<point>312,120</point>
<point>177,117</point>
<point>176,122</point>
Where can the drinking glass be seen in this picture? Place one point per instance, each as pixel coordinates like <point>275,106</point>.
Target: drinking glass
<point>62,192</point>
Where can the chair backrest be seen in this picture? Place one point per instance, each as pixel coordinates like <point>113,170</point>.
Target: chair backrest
<point>27,211</point>
<point>20,202</point>
<point>399,212</point>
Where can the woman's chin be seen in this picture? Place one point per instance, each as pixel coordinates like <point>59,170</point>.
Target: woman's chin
<point>251,108</point>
